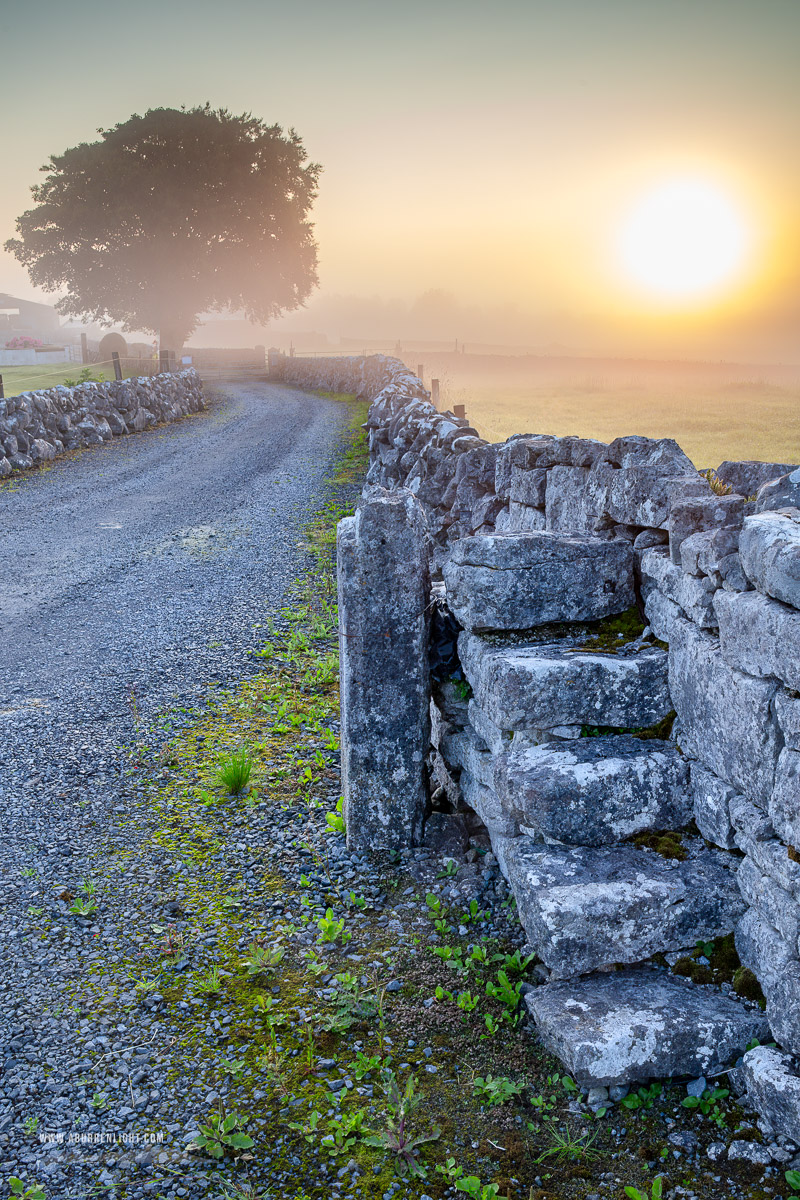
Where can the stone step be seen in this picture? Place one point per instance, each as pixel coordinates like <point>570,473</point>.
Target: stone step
<point>638,1024</point>
<point>521,580</point>
<point>595,791</point>
<point>586,907</point>
<point>520,683</point>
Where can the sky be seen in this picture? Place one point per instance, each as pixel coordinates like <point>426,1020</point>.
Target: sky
<point>485,166</point>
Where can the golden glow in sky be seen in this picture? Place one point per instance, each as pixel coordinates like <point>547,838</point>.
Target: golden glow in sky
<point>684,240</point>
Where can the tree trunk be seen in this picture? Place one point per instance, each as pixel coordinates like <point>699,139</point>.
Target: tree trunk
<point>172,336</point>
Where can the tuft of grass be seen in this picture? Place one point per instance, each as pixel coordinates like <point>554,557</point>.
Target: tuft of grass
<point>234,772</point>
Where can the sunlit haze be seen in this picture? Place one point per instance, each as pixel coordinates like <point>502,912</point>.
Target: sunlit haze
<point>616,178</point>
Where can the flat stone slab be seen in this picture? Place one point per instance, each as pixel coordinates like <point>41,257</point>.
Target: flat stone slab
<point>634,1025</point>
<point>769,547</point>
<point>596,791</point>
<point>586,907</point>
<point>726,715</point>
<point>523,684</point>
<point>770,1083</point>
<point>522,580</point>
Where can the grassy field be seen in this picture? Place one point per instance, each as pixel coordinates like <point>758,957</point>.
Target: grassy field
<point>29,379</point>
<point>715,411</point>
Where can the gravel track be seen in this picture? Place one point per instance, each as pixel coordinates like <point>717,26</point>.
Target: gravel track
<point>141,569</point>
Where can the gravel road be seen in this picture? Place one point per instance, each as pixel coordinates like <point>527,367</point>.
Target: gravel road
<point>142,569</point>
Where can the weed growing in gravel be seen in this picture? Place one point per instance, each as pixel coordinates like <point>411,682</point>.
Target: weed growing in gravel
<point>34,1192</point>
<point>497,1091</point>
<point>234,772</point>
<point>793,1180</point>
<point>656,1191</point>
<point>263,960</point>
<point>209,984</point>
<point>223,1134</point>
<point>397,1138</point>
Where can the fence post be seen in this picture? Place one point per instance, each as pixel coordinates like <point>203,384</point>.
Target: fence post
<point>419,372</point>
<point>435,393</point>
<point>459,410</point>
<point>84,348</point>
<point>163,360</point>
<point>2,393</point>
<point>117,365</point>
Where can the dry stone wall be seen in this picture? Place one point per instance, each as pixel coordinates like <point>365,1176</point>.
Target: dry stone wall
<point>615,704</point>
<point>35,427</point>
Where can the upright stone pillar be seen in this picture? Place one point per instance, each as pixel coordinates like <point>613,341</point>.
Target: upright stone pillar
<point>384,595</point>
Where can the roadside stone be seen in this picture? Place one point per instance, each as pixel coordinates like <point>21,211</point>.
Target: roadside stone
<point>769,548</point>
<point>768,1083</point>
<point>693,595</point>
<point>517,581</point>
<point>725,715</point>
<point>383,606</point>
<point>746,477</point>
<point>583,908</point>
<point>783,492</point>
<point>595,791</point>
<point>694,514</point>
<point>633,1025</point>
<point>523,684</point>
<point>711,798</point>
<point>752,1152</point>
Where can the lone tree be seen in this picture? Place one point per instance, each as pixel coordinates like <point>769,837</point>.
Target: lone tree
<point>173,214</point>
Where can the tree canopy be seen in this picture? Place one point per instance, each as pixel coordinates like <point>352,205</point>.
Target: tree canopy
<point>169,215</point>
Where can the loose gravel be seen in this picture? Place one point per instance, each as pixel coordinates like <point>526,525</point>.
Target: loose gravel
<point>136,576</point>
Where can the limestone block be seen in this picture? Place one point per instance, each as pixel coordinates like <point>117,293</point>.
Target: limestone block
<point>772,903</point>
<point>750,821</point>
<point>528,486</point>
<point>769,548</point>
<point>517,581</point>
<point>762,949</point>
<point>595,791</point>
<point>759,635</point>
<point>784,806</point>
<point>711,798</point>
<point>523,451</point>
<point>566,501</point>
<point>663,453</point>
<point>702,553</point>
<point>725,715</point>
<point>745,478</point>
<point>385,697</point>
<point>662,614</point>
<point>523,519</point>
<point>693,595</point>
<point>485,803</point>
<point>635,1025</point>
<point>783,1007</point>
<point>787,709</point>
<point>695,514</point>
<point>783,492</point>
<point>770,1086</point>
<point>498,740</point>
<point>585,907</point>
<point>523,685</point>
<point>644,495</point>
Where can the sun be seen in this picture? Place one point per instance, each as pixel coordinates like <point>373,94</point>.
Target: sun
<point>683,239</point>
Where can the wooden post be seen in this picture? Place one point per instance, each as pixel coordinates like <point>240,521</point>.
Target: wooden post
<point>163,360</point>
<point>84,348</point>
<point>2,393</point>
<point>117,365</point>
<point>420,369</point>
<point>459,410</point>
<point>435,393</point>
